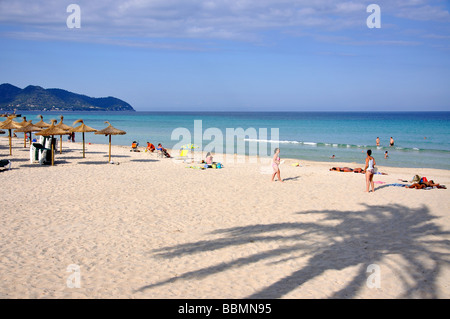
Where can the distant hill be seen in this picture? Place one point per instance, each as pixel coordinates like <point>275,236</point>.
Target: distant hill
<point>36,98</point>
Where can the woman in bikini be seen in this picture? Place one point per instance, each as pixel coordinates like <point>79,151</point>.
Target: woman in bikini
<point>370,170</point>
<point>276,164</point>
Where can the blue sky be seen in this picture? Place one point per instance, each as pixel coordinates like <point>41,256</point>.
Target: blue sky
<point>267,55</point>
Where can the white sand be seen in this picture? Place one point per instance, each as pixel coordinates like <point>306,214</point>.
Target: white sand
<point>152,228</point>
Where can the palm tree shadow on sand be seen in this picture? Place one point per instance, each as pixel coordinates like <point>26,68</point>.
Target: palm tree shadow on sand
<point>370,234</point>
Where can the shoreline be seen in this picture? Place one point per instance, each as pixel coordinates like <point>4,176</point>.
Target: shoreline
<point>249,158</point>
<point>311,142</point>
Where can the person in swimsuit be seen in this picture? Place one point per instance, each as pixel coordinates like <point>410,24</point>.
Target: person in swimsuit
<point>209,158</point>
<point>150,147</point>
<point>370,170</point>
<point>347,169</point>
<point>391,143</point>
<point>423,184</point>
<point>341,169</point>
<point>378,141</point>
<point>161,149</point>
<point>276,164</point>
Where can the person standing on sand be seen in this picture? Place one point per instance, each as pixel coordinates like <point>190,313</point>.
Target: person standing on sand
<point>370,170</point>
<point>276,164</point>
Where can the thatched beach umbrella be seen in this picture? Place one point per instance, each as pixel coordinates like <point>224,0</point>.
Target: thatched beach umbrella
<point>41,123</point>
<point>22,124</point>
<point>24,121</point>
<point>65,127</point>
<point>83,128</point>
<point>110,130</point>
<point>9,125</point>
<point>30,127</point>
<point>52,131</point>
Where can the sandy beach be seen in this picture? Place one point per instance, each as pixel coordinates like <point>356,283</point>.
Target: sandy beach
<point>150,227</point>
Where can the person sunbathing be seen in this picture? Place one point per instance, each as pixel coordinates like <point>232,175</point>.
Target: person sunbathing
<point>163,150</point>
<point>422,185</point>
<point>356,170</point>
<point>209,158</point>
<point>346,169</point>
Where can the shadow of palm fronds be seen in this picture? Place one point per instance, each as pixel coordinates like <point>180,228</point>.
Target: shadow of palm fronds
<point>332,244</point>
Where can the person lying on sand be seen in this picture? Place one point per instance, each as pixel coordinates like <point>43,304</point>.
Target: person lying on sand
<point>342,169</point>
<point>356,170</point>
<point>422,185</point>
<point>347,169</point>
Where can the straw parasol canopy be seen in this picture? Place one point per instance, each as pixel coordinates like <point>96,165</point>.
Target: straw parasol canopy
<point>41,123</point>
<point>30,127</point>
<point>110,130</point>
<point>83,128</point>
<point>52,131</point>
<point>24,121</point>
<point>64,127</point>
<point>9,125</point>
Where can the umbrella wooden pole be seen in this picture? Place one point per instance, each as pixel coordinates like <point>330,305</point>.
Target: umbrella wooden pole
<point>53,151</point>
<point>110,148</point>
<point>83,145</point>
<point>10,148</point>
<point>60,144</point>
<point>25,139</point>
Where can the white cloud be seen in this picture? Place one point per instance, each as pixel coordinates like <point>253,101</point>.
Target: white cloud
<point>425,13</point>
<point>238,20</point>
<point>350,7</point>
<point>176,17</point>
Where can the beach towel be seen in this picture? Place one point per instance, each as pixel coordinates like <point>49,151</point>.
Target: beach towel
<point>196,167</point>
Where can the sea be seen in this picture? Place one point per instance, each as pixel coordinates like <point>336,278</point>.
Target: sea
<point>422,139</point>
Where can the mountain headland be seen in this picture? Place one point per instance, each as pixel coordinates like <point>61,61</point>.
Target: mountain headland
<point>36,98</point>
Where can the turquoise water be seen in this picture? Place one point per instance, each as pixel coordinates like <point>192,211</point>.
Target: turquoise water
<point>422,139</point>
